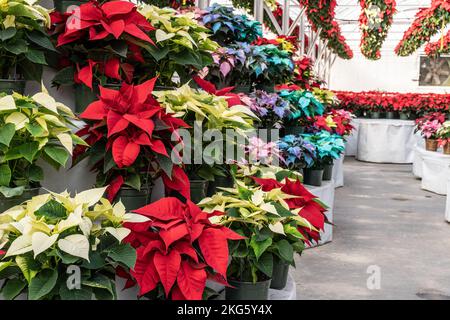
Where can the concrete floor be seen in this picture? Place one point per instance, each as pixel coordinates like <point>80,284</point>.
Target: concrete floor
<point>383,222</point>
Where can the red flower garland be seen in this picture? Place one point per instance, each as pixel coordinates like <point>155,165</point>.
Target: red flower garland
<point>439,47</point>
<point>372,36</point>
<point>428,22</point>
<point>321,14</point>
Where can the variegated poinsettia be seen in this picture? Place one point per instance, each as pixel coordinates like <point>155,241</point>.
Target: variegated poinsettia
<point>277,219</point>
<point>41,238</point>
<point>32,128</point>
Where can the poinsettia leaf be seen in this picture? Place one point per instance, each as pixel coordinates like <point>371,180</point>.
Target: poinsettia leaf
<point>259,247</point>
<point>26,150</point>
<point>5,175</point>
<point>12,288</point>
<point>265,264</point>
<point>36,56</point>
<point>42,284</point>
<point>285,250</point>
<point>7,33</point>
<point>167,267</point>
<point>214,247</point>
<point>58,154</point>
<point>41,39</point>
<point>123,253</point>
<point>7,132</point>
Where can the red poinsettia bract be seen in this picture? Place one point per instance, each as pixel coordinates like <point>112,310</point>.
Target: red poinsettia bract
<point>99,21</point>
<point>233,99</point>
<point>311,210</point>
<point>178,248</point>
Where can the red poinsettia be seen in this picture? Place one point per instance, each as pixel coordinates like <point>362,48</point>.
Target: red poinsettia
<point>98,21</point>
<point>232,98</point>
<point>179,249</point>
<point>311,209</point>
<point>126,120</point>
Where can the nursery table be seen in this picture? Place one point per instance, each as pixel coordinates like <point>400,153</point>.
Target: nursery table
<point>435,172</point>
<point>386,141</point>
<point>326,194</point>
<point>447,203</point>
<point>351,143</point>
<point>419,153</point>
<point>338,172</point>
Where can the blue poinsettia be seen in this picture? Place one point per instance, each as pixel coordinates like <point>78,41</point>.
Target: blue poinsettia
<point>297,152</point>
<point>269,108</point>
<point>228,27</point>
<point>328,146</point>
<point>304,103</point>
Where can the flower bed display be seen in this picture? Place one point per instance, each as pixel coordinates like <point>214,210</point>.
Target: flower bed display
<point>415,103</point>
<point>442,46</point>
<point>375,21</point>
<point>428,22</point>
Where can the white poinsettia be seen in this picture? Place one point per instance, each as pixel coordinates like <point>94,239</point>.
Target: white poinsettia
<point>73,225</point>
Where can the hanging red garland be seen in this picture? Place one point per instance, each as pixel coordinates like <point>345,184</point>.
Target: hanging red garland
<point>375,21</point>
<point>439,47</point>
<point>321,14</point>
<point>428,22</point>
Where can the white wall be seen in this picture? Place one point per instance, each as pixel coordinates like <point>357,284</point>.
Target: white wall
<point>390,73</point>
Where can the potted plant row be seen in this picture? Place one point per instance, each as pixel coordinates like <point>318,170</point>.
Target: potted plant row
<point>31,129</point>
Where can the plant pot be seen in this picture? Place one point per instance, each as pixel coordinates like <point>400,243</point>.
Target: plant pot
<point>431,144</point>
<point>446,148</point>
<point>219,182</point>
<point>404,116</point>
<point>133,199</point>
<point>391,115</point>
<point>199,189</point>
<point>62,5</point>
<point>327,172</point>
<point>313,177</point>
<point>294,130</point>
<point>10,86</point>
<point>247,290</point>
<point>375,115</point>
<point>279,274</point>
<point>6,203</point>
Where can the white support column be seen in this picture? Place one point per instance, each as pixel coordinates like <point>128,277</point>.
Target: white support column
<point>286,16</point>
<point>259,10</point>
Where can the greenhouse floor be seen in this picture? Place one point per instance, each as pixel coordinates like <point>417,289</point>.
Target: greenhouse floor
<point>386,225</point>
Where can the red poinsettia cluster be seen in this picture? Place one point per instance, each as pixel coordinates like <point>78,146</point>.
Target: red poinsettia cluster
<point>114,27</point>
<point>439,47</point>
<point>321,15</point>
<point>127,120</point>
<point>311,209</point>
<point>390,101</point>
<point>428,22</point>
<point>179,249</point>
<point>340,122</point>
<point>375,25</point>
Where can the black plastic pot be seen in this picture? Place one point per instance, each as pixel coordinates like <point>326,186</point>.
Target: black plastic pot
<point>391,115</point>
<point>62,5</point>
<point>294,130</point>
<point>327,172</point>
<point>313,177</point>
<point>375,115</point>
<point>247,290</point>
<point>279,274</point>
<point>219,182</point>
<point>133,199</point>
<point>10,86</point>
<point>199,189</point>
<point>6,203</point>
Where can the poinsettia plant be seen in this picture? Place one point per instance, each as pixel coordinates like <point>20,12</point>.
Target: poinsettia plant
<point>274,222</point>
<point>130,137</point>
<point>443,134</point>
<point>229,27</point>
<point>270,108</point>
<point>23,39</point>
<point>31,129</point>
<point>328,147</point>
<point>178,250</point>
<point>202,111</point>
<point>304,104</point>
<point>43,240</point>
<point>297,152</point>
<point>101,43</point>
<point>441,46</point>
<point>183,46</point>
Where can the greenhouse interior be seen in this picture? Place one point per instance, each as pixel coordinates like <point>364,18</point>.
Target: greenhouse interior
<point>224,150</point>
